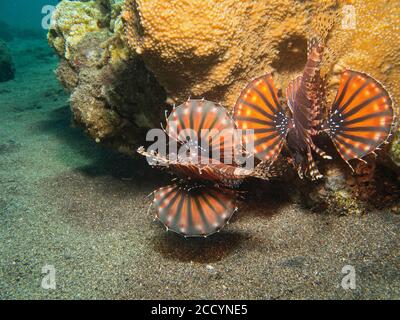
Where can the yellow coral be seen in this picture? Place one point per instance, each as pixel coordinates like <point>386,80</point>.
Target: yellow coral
<point>71,22</point>
<point>372,46</point>
<point>213,48</point>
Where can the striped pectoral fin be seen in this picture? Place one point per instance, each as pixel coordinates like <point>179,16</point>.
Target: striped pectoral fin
<point>203,123</point>
<point>361,116</point>
<point>260,115</point>
<point>194,211</point>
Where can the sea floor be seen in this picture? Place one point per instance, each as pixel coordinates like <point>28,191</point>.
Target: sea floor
<point>71,204</point>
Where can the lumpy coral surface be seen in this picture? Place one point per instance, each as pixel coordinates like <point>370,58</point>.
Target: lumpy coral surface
<point>211,49</point>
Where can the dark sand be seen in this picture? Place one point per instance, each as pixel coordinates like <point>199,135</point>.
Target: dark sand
<point>67,202</point>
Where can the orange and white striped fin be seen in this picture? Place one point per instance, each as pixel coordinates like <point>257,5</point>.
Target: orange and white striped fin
<point>194,210</point>
<point>258,109</point>
<point>197,121</point>
<point>361,116</point>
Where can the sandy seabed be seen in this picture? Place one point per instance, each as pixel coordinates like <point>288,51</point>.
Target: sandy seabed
<point>67,202</point>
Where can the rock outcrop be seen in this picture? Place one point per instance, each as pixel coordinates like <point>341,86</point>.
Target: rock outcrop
<point>7,69</point>
<point>113,96</point>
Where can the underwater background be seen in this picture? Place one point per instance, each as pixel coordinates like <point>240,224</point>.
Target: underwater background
<point>76,100</point>
<point>24,14</point>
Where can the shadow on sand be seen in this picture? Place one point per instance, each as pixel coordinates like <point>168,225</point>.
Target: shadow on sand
<point>265,202</point>
<point>204,250</point>
<point>102,161</point>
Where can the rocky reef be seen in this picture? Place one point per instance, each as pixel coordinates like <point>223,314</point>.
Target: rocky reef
<point>113,95</point>
<point>126,61</point>
<point>7,70</point>
<point>394,151</point>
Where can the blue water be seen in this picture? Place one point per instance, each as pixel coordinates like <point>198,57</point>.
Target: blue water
<point>26,14</point>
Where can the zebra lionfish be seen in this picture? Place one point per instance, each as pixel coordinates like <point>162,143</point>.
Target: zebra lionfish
<point>358,122</point>
<point>204,199</point>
